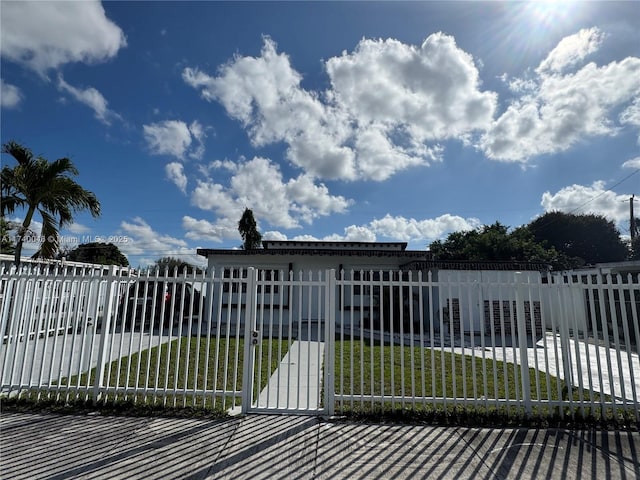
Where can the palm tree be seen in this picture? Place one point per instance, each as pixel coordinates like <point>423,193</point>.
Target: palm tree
<point>37,184</point>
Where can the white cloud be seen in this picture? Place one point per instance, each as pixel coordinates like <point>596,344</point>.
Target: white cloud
<point>631,115</point>
<point>78,228</point>
<point>389,105</point>
<point>146,245</point>
<point>431,92</point>
<point>175,138</point>
<point>90,97</point>
<point>410,229</point>
<point>274,235</point>
<point>632,163</point>
<point>258,184</point>
<point>588,199</point>
<point>311,200</point>
<point>214,197</point>
<point>223,229</point>
<point>380,158</point>
<point>571,50</point>
<point>10,95</point>
<point>219,165</point>
<point>264,94</point>
<point>175,173</point>
<point>564,108</point>
<point>44,35</point>
<point>306,238</point>
<point>352,233</point>
<point>393,228</point>
<point>198,133</point>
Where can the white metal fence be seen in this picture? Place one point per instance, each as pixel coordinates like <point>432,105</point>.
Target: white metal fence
<point>269,341</point>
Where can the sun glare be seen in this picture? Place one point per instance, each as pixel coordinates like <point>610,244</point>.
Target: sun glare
<point>531,29</point>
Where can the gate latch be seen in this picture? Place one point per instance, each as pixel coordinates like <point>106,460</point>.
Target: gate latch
<point>254,337</point>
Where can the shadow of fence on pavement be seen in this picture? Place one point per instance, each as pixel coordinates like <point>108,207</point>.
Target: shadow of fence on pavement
<point>278,447</point>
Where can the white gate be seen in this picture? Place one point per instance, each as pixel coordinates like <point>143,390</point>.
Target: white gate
<point>290,324</point>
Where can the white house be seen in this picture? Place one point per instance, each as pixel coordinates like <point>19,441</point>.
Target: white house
<point>375,281</point>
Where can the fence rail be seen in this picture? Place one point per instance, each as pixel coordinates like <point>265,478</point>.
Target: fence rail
<point>564,344</point>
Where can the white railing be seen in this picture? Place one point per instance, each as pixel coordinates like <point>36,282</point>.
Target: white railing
<point>114,338</point>
<point>520,343</point>
<point>371,341</point>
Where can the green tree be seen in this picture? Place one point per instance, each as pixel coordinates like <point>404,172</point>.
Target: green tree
<point>634,248</point>
<point>249,231</point>
<point>7,243</point>
<point>36,184</point>
<point>172,264</point>
<point>95,252</point>
<point>494,243</point>
<point>584,239</point>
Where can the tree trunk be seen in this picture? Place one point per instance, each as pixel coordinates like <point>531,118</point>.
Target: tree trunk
<point>21,233</point>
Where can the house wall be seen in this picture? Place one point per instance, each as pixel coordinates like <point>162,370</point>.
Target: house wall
<point>300,304</point>
<point>307,263</point>
<point>473,288</point>
<point>568,301</point>
<point>458,300</point>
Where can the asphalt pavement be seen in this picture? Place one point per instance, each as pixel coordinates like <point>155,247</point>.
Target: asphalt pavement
<point>55,446</point>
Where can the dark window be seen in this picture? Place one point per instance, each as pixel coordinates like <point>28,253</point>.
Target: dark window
<point>232,278</point>
<point>268,276</point>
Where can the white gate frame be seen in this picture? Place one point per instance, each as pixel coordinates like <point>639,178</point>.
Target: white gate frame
<point>327,289</point>
<point>249,329</point>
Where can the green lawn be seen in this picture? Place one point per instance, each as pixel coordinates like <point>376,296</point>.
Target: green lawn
<point>432,373</point>
<point>394,372</point>
<point>186,364</point>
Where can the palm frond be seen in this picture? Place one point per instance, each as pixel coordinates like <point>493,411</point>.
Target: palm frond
<point>65,196</point>
<point>10,203</point>
<point>22,154</point>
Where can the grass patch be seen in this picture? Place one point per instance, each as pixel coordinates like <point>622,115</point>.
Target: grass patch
<point>29,404</point>
<point>171,376</point>
<point>403,371</point>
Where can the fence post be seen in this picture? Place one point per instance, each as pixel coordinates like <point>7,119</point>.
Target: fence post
<point>111,292</point>
<point>7,301</point>
<point>9,304</point>
<point>329,339</point>
<point>522,343</point>
<point>565,348</point>
<point>249,325</point>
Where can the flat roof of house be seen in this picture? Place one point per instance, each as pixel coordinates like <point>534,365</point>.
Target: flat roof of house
<point>415,259</point>
<point>474,265</point>
<point>315,245</point>
<point>628,266</point>
<point>309,248</point>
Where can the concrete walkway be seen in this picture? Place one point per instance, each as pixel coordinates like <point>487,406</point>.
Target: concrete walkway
<point>57,447</point>
<point>596,367</point>
<point>43,360</point>
<point>297,382</point>
<point>590,369</point>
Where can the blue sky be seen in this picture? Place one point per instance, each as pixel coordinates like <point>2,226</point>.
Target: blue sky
<point>356,121</point>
